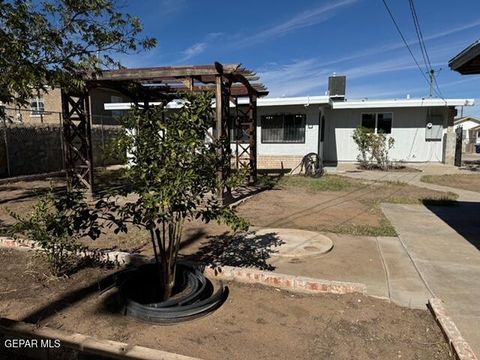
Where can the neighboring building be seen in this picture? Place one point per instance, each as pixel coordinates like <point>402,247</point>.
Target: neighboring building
<point>44,108</point>
<point>290,128</point>
<point>467,62</point>
<point>470,134</point>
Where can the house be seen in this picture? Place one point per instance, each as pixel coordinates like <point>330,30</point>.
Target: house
<point>470,131</point>
<point>291,127</point>
<point>44,108</point>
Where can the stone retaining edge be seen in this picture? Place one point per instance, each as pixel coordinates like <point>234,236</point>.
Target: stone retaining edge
<point>457,343</point>
<point>226,273</point>
<point>283,281</point>
<point>86,344</point>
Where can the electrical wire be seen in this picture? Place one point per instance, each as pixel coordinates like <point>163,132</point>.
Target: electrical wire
<point>423,48</point>
<point>397,27</point>
<point>405,40</point>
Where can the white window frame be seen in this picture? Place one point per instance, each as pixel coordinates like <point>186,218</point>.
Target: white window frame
<point>283,114</point>
<point>376,119</point>
<point>37,100</point>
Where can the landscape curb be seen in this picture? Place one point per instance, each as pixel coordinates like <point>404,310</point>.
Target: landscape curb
<point>457,343</point>
<point>293,283</point>
<point>84,343</point>
<point>226,273</point>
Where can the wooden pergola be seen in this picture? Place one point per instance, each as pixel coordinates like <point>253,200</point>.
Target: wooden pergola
<point>235,90</point>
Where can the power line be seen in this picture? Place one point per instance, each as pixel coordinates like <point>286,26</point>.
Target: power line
<point>427,60</point>
<point>404,40</point>
<point>431,72</point>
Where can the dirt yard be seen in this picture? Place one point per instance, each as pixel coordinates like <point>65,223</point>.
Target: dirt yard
<point>333,204</point>
<point>459,181</point>
<point>254,323</point>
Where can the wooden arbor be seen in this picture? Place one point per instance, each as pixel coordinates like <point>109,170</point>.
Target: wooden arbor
<point>236,92</point>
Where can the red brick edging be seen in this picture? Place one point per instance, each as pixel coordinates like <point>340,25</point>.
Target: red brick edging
<point>459,346</point>
<point>283,281</point>
<point>227,273</point>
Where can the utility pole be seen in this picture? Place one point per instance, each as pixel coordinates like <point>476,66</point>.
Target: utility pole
<point>431,74</point>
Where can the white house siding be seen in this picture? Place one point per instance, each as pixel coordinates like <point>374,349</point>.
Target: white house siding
<point>286,155</point>
<point>408,129</point>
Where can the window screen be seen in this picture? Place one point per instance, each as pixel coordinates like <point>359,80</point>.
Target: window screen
<point>384,123</point>
<point>283,128</point>
<point>368,122</point>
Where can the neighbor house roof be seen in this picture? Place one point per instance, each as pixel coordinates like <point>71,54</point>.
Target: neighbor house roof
<point>468,60</point>
<point>465,119</point>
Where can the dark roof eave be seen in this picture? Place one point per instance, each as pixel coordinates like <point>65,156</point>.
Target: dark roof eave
<point>460,61</point>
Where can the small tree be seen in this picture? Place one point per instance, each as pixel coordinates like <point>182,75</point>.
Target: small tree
<point>173,175</point>
<point>374,148</point>
<point>50,42</point>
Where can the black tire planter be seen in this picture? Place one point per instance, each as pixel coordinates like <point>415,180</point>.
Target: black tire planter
<point>193,295</point>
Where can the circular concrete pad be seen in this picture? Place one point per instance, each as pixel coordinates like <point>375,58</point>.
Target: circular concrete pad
<point>297,243</point>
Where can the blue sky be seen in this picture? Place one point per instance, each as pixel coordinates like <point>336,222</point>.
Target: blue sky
<point>295,45</point>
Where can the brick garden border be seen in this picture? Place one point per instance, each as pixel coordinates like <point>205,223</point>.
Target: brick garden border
<point>292,283</point>
<point>457,343</point>
<point>299,284</point>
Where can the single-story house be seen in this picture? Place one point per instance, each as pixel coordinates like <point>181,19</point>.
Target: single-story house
<point>470,126</point>
<point>288,128</point>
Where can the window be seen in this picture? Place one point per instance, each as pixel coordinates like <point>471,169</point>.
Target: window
<point>283,128</point>
<point>37,106</point>
<point>379,123</point>
<point>116,99</point>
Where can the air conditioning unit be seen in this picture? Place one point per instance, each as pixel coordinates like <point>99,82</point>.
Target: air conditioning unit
<point>336,87</point>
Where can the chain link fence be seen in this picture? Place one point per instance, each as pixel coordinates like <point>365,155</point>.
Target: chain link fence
<point>32,143</point>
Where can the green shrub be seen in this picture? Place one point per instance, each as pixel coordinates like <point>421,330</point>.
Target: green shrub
<point>55,225</point>
<point>374,149</point>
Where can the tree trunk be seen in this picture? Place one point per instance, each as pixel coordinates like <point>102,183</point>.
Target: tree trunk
<point>168,279</point>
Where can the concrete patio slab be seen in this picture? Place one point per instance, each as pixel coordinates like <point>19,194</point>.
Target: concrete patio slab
<point>352,259</point>
<point>297,243</point>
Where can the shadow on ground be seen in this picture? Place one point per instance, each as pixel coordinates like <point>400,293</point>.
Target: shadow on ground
<point>242,250</point>
<point>463,217</point>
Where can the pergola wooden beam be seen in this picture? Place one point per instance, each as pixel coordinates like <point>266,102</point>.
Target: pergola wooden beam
<point>144,85</point>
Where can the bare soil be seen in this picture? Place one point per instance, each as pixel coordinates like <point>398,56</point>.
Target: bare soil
<point>459,181</point>
<point>254,323</point>
<point>310,204</point>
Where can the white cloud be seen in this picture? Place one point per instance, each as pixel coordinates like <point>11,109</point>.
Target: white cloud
<point>304,19</point>
<point>198,47</point>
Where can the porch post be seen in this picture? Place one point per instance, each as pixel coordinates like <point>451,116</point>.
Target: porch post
<point>450,138</point>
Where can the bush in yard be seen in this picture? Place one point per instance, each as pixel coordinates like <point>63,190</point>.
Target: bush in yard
<point>55,224</point>
<point>374,148</point>
<point>173,176</point>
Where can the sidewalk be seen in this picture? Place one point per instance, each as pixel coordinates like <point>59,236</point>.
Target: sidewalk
<point>444,244</point>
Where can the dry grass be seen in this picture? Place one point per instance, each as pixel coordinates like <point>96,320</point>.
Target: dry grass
<point>459,181</point>
<point>335,204</point>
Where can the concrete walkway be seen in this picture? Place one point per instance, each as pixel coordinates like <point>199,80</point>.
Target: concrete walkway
<point>444,244</point>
